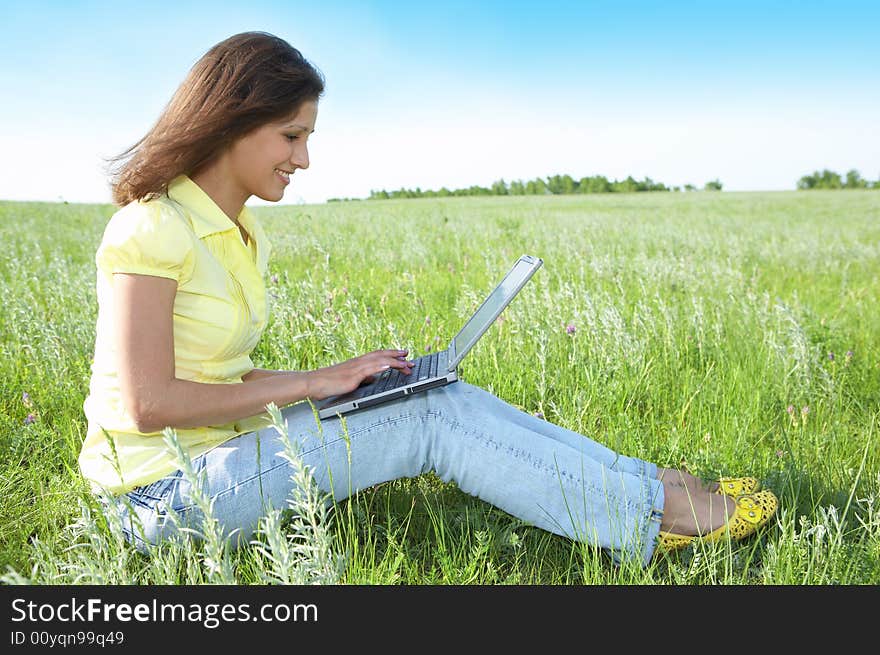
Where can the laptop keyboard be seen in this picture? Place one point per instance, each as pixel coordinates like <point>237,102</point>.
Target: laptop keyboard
<point>424,367</point>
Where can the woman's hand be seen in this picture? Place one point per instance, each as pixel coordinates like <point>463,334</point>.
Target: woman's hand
<point>347,376</point>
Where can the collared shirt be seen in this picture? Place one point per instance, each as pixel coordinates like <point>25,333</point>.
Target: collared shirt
<point>220,313</point>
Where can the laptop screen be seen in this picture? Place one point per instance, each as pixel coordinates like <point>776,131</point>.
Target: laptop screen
<point>493,305</point>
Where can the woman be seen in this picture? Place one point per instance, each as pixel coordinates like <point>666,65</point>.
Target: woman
<point>182,304</point>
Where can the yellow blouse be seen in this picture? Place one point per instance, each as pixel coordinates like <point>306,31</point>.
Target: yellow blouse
<point>220,313</point>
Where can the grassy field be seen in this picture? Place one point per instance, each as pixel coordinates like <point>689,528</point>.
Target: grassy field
<point>735,332</point>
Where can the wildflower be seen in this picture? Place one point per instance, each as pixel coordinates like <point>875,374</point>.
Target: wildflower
<point>427,320</point>
<point>790,410</point>
<point>570,329</point>
<point>849,355</point>
<point>830,356</point>
<point>26,398</point>
<point>30,418</point>
<point>274,279</point>
<point>707,437</point>
<point>805,410</point>
<point>780,453</point>
<point>539,415</point>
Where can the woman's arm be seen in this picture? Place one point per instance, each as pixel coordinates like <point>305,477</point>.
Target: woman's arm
<point>151,393</point>
<point>155,398</point>
<point>260,373</point>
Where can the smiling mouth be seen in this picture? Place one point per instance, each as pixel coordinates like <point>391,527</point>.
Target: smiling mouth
<point>284,175</point>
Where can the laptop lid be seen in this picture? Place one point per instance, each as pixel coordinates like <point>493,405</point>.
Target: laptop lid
<point>492,307</point>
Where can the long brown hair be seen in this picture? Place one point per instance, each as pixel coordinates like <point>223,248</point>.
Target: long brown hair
<point>237,86</point>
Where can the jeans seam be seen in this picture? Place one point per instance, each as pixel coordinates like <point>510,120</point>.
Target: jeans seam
<point>538,464</point>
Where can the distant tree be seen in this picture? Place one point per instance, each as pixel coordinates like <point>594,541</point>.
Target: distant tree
<point>625,186</point>
<point>499,188</point>
<point>690,187</point>
<point>854,180</point>
<point>594,184</point>
<point>830,180</point>
<point>807,182</point>
<point>650,185</point>
<point>536,187</point>
<point>561,184</point>
<point>517,188</point>
<point>713,185</point>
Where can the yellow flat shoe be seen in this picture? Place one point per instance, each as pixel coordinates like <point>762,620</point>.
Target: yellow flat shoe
<point>737,486</point>
<point>752,512</point>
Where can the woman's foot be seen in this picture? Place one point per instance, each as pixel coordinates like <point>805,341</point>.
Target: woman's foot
<point>693,512</point>
<point>751,512</point>
<point>727,486</point>
<point>682,478</point>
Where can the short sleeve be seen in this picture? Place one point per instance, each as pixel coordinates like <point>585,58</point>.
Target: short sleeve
<point>147,239</point>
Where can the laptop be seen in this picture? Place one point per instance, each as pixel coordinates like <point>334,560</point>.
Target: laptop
<point>438,368</point>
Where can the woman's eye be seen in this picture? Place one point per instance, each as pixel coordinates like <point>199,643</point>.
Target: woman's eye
<point>291,137</point>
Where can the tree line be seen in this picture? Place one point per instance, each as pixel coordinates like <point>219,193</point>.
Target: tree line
<point>567,185</point>
<point>826,179</point>
<point>552,185</point>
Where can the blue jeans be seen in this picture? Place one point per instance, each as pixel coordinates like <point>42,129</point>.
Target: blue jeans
<point>541,473</point>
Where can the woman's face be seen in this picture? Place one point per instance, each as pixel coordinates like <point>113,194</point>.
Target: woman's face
<point>261,162</point>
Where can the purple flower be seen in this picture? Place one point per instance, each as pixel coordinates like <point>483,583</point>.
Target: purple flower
<point>570,329</point>
<point>780,453</point>
<point>805,410</point>
<point>30,418</point>
<point>849,355</point>
<point>830,356</point>
<point>539,415</point>
<point>790,410</point>
<point>26,398</point>
<point>274,279</point>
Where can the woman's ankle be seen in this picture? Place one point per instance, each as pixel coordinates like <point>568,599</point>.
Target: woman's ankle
<point>693,512</point>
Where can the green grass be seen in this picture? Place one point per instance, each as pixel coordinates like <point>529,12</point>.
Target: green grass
<point>699,320</point>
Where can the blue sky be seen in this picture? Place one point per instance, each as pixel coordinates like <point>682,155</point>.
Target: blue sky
<point>451,94</point>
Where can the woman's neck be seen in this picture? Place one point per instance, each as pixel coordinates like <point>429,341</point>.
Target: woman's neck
<point>225,195</point>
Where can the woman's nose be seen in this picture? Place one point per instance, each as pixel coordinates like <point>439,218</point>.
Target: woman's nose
<point>300,157</point>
